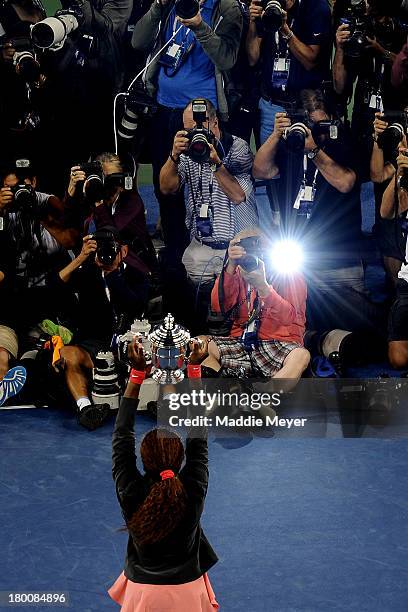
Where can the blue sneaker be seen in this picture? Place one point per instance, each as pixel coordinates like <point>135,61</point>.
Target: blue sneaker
<point>12,383</point>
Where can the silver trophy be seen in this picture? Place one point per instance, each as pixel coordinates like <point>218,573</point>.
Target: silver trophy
<point>169,344</point>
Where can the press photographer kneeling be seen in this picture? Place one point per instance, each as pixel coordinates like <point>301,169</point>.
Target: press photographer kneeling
<point>266,311</point>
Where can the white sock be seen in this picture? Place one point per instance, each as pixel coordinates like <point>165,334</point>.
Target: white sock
<point>83,401</point>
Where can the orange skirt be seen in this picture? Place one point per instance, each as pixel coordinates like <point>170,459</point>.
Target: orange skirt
<point>196,596</point>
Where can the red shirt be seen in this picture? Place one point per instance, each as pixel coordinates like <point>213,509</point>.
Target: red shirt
<point>283,311</point>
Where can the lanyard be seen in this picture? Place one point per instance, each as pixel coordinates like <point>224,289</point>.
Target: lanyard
<point>199,191</point>
<point>305,164</point>
<point>277,37</point>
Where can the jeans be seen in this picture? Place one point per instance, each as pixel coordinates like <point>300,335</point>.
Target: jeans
<point>268,111</point>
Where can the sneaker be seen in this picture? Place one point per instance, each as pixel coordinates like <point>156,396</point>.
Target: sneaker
<point>12,383</point>
<point>93,416</point>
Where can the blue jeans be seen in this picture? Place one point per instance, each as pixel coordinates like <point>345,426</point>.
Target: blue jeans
<point>268,111</point>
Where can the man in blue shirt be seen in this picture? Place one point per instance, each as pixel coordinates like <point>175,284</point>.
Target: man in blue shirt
<point>193,65</point>
<point>295,57</point>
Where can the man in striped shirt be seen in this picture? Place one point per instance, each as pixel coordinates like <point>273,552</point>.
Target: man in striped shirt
<point>221,197</point>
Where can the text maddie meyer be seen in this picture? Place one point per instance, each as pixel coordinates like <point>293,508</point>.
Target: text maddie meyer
<point>240,421</point>
<point>220,398</point>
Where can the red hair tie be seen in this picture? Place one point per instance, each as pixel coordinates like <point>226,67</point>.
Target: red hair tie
<point>166,474</point>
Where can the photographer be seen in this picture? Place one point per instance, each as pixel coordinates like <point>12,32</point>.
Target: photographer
<point>267,312</point>
<point>106,200</point>
<point>111,295</point>
<point>204,48</point>
<point>221,198</point>
<point>395,205</point>
<point>319,194</point>
<point>22,95</point>
<point>366,48</point>
<point>382,170</point>
<point>33,245</point>
<point>294,56</point>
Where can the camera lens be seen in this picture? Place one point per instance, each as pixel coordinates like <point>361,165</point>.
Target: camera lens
<point>186,9</point>
<point>27,66</point>
<point>295,137</point>
<point>199,150</point>
<point>93,188</point>
<point>391,137</point>
<point>249,262</point>
<point>272,17</point>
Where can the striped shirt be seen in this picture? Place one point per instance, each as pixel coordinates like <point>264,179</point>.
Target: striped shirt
<point>229,218</point>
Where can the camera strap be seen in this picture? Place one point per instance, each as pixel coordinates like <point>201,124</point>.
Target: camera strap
<point>306,192</point>
<point>205,211</point>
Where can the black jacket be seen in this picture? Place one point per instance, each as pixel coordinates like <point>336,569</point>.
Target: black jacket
<point>185,554</point>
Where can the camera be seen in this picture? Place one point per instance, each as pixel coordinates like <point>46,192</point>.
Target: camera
<point>24,59</point>
<point>397,127</point>
<point>253,249</point>
<point>94,181</point>
<point>24,197</point>
<point>139,105</point>
<point>52,32</point>
<point>199,137</point>
<point>360,26</point>
<point>330,128</point>
<point>295,135</point>
<point>272,18</point>
<point>108,246</point>
<point>186,9</point>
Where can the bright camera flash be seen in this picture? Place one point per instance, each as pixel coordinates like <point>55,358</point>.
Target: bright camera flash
<point>287,256</point>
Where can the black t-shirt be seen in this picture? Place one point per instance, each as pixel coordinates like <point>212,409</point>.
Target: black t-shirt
<point>332,235</point>
<point>310,21</point>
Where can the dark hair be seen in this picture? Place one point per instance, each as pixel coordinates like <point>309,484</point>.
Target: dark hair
<point>313,100</point>
<point>166,502</point>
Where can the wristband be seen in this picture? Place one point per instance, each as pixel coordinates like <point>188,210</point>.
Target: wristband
<point>136,377</point>
<point>216,166</point>
<point>288,37</point>
<point>173,159</point>
<point>193,371</point>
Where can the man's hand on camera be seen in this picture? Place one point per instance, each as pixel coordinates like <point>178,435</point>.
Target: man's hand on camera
<point>342,35</point>
<point>282,122</point>
<point>285,29</point>
<point>180,144</point>
<point>257,279</point>
<point>235,252</point>
<point>379,125</point>
<point>309,142</point>
<point>76,176</point>
<point>136,355</point>
<point>6,197</point>
<point>8,52</point>
<point>214,157</point>
<point>255,10</point>
<point>89,246</point>
<point>192,23</point>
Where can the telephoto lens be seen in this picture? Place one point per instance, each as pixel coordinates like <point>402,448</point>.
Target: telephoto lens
<point>186,9</point>
<point>27,66</point>
<point>24,197</point>
<point>272,18</point>
<point>106,387</point>
<point>295,137</point>
<point>51,32</point>
<point>199,148</point>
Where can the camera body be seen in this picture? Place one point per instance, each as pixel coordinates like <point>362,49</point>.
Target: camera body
<point>24,197</point>
<point>199,138</point>
<point>360,26</point>
<point>395,131</point>
<point>327,129</point>
<point>253,249</point>
<point>295,135</point>
<point>272,18</point>
<point>97,185</point>
<point>107,248</point>
<point>25,59</point>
